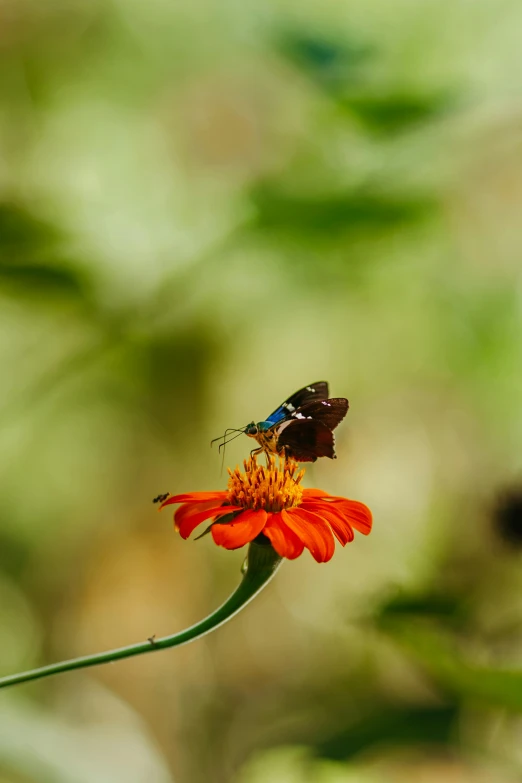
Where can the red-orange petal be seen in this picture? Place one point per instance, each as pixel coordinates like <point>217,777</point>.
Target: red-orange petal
<point>313,532</point>
<point>187,510</point>
<point>359,515</point>
<point>315,493</point>
<point>190,522</point>
<point>284,540</point>
<point>194,497</point>
<point>341,527</point>
<point>243,529</point>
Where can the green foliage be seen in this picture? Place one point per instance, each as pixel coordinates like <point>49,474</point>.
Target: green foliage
<point>332,64</point>
<point>391,727</point>
<point>30,258</point>
<point>346,70</point>
<point>394,112</point>
<point>331,216</point>
<point>451,669</point>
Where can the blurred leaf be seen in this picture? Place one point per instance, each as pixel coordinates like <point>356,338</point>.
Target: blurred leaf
<point>394,112</point>
<point>22,235</point>
<point>507,515</point>
<point>168,373</point>
<point>13,553</point>
<point>30,261</point>
<point>329,62</point>
<point>336,213</point>
<point>41,279</point>
<point>439,655</point>
<point>336,67</point>
<point>439,606</point>
<point>421,726</point>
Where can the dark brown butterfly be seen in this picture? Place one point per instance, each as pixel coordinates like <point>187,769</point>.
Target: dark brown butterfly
<point>302,426</point>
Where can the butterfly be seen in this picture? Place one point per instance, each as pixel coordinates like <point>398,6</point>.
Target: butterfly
<point>302,426</point>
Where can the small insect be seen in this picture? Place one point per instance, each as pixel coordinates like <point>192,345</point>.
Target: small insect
<point>161,498</point>
<point>301,427</point>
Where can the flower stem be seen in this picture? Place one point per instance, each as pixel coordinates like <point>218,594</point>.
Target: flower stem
<point>261,564</point>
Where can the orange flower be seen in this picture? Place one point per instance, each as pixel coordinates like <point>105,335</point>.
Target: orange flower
<point>270,501</point>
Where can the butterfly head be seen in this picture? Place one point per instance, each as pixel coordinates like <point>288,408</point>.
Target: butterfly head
<point>253,430</point>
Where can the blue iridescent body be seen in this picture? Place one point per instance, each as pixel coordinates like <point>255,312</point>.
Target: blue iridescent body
<point>263,426</point>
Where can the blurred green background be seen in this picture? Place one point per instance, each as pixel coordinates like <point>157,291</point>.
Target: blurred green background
<point>203,207</point>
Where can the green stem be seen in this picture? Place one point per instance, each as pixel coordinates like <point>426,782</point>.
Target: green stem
<point>261,564</point>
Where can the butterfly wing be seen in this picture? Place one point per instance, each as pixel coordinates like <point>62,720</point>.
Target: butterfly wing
<point>306,439</point>
<point>312,393</point>
<point>329,412</point>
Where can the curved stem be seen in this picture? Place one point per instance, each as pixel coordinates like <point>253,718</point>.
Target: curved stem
<point>261,564</point>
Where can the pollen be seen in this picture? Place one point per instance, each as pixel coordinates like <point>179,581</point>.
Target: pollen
<point>273,487</point>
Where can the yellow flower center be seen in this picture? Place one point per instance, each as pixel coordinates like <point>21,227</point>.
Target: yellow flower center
<point>272,488</point>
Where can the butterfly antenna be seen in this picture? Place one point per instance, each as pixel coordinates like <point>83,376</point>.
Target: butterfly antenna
<point>223,446</point>
<point>222,437</point>
<point>225,442</point>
